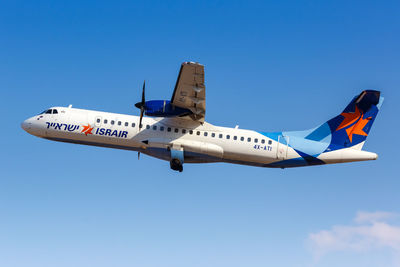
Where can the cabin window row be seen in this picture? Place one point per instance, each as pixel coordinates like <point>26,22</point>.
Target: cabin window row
<point>184,131</point>
<point>119,123</point>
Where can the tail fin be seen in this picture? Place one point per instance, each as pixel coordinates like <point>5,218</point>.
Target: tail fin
<point>351,127</point>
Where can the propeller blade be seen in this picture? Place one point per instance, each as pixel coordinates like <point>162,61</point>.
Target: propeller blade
<point>138,155</point>
<point>143,93</point>
<point>142,104</point>
<point>141,116</point>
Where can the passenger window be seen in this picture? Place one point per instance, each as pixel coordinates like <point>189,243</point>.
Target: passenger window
<point>242,138</point>
<point>248,139</point>
<point>176,130</point>
<point>262,141</point>
<point>191,132</point>
<point>105,121</point>
<point>98,120</point>
<point>147,127</point>
<point>269,142</point>
<point>133,124</point>
<point>213,135</point>
<point>205,133</point>
<point>220,135</point>
<point>154,127</point>
<point>48,111</point>
<point>256,140</point>
<point>183,131</point>
<point>235,137</point>
<point>112,122</point>
<point>162,128</point>
<point>119,123</point>
<point>55,111</point>
<point>169,129</point>
<point>228,136</point>
<point>198,133</point>
<point>126,124</point>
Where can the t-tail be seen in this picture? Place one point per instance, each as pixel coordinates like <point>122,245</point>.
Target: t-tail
<point>340,139</point>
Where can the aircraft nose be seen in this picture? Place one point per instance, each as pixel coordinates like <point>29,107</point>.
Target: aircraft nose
<point>26,125</point>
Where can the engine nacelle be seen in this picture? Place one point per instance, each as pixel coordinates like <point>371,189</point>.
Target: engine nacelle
<point>164,108</point>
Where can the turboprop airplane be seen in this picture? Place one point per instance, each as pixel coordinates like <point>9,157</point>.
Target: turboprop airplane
<point>175,130</point>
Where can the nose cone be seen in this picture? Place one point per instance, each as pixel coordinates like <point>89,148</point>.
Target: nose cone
<point>26,125</point>
<point>34,127</point>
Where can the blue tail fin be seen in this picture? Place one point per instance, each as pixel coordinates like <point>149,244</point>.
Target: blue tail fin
<point>352,126</point>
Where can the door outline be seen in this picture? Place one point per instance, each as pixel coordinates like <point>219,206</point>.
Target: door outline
<point>282,148</point>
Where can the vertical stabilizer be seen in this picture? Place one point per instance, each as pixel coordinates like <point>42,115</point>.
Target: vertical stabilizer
<point>352,126</point>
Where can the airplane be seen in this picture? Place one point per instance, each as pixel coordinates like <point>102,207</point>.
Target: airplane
<point>176,131</point>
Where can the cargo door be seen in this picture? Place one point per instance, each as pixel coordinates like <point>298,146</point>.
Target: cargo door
<point>282,148</point>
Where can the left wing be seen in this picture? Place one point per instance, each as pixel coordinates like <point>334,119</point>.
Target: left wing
<point>190,91</point>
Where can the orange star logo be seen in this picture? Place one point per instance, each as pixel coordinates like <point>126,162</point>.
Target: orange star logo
<point>87,129</point>
<point>355,123</point>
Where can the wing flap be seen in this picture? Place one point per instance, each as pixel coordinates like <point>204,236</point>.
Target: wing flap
<point>190,91</point>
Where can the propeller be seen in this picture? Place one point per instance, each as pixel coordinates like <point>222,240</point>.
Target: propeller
<point>142,105</point>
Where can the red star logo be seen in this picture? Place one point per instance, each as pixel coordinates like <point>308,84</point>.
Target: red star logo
<point>354,123</point>
<point>87,129</point>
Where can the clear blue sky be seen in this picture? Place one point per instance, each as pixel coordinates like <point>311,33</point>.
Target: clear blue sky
<point>270,66</point>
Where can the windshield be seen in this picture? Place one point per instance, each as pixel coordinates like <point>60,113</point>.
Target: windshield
<point>49,111</point>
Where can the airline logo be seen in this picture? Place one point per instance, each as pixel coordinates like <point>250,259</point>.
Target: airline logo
<point>109,132</point>
<point>354,123</point>
<point>62,126</point>
<point>87,129</point>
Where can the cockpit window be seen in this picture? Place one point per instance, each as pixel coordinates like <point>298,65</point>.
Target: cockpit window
<point>49,111</point>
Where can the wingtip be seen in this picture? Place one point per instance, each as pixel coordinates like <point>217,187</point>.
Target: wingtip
<point>192,63</point>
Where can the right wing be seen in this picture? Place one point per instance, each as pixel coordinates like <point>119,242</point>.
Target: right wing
<point>190,91</point>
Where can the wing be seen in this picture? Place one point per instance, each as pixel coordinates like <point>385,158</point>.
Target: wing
<point>190,91</point>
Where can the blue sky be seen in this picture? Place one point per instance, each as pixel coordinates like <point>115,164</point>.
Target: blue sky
<point>270,66</point>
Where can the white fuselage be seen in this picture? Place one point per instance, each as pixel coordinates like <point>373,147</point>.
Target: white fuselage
<point>199,142</point>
